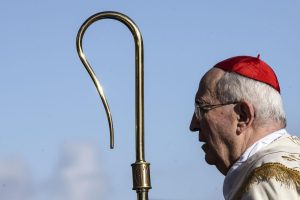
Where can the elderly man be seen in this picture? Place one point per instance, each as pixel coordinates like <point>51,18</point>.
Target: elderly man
<point>241,121</point>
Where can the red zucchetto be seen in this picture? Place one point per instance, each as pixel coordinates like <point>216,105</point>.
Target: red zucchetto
<point>251,67</point>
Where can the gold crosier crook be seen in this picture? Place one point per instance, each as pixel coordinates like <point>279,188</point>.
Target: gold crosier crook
<point>140,169</point>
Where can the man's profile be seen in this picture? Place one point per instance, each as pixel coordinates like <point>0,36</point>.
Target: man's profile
<point>241,121</point>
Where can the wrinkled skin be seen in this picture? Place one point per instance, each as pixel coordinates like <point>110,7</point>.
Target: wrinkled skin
<point>218,127</point>
<point>227,131</point>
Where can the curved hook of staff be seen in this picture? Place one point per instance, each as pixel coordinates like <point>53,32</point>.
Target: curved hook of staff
<point>92,74</point>
<point>140,169</point>
<point>136,33</point>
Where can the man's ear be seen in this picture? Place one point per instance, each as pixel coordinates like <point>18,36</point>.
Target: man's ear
<point>246,114</point>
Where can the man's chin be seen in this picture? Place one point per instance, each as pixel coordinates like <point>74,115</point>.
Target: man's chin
<point>210,160</point>
<point>213,161</point>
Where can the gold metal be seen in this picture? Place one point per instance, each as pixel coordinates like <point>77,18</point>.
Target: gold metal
<point>140,169</point>
<point>141,178</point>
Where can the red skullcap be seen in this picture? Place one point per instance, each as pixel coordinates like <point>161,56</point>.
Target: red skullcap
<point>251,67</point>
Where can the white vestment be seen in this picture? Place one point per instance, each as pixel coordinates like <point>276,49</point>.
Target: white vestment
<point>269,169</point>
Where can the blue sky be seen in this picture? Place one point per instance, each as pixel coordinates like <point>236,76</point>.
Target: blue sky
<point>54,139</point>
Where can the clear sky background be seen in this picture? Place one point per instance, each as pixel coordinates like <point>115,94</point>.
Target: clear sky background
<point>54,139</point>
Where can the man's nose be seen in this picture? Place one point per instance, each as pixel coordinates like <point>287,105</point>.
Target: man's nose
<point>194,126</point>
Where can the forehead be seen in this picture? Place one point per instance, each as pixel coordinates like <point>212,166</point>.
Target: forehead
<point>207,85</point>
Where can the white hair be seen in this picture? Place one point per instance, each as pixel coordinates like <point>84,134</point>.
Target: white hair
<point>267,101</point>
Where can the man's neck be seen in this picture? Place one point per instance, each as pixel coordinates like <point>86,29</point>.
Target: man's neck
<point>257,133</point>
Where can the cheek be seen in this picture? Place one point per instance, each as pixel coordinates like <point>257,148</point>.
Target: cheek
<point>221,128</point>
<point>210,133</point>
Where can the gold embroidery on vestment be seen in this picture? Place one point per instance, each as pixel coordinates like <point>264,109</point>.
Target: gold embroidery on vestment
<point>295,139</point>
<point>286,176</point>
<point>292,157</point>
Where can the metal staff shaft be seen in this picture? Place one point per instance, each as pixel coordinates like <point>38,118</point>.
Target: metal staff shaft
<point>140,169</point>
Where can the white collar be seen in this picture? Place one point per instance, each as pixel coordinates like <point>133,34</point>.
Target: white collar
<point>258,145</point>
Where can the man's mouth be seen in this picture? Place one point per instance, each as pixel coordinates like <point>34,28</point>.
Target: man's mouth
<point>204,147</point>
